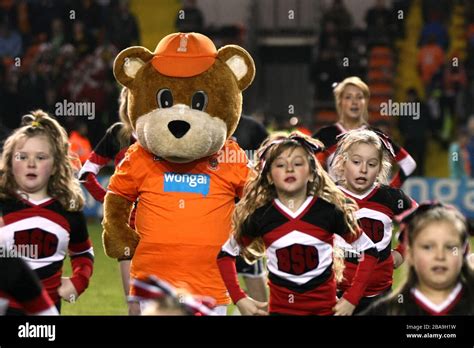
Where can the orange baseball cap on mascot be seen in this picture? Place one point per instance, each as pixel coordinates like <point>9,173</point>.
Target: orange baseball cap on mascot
<point>184,55</point>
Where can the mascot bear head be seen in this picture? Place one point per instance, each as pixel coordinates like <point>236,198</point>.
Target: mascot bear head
<point>185,98</point>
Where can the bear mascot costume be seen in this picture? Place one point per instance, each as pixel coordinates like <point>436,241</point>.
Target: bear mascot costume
<point>184,103</point>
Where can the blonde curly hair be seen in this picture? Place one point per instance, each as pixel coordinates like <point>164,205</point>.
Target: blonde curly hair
<point>355,137</point>
<point>62,185</point>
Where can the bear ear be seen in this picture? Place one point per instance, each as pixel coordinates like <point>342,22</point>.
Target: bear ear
<point>240,62</point>
<point>128,62</point>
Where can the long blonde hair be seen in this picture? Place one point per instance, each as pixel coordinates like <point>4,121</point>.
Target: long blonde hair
<point>62,185</point>
<point>259,191</point>
<point>360,136</point>
<point>339,91</point>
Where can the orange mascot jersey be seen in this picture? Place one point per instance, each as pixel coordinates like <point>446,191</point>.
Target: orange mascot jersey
<point>183,215</point>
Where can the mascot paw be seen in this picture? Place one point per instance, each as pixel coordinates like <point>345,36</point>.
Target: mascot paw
<point>120,241</point>
<point>120,246</point>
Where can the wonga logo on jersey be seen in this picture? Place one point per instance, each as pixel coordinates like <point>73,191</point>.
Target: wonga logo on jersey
<point>193,183</point>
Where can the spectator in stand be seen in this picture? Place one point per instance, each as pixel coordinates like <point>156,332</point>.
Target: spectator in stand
<point>190,18</point>
<point>340,15</point>
<point>329,33</point>
<point>89,13</point>
<point>328,68</point>
<point>81,39</point>
<point>32,86</point>
<point>378,14</point>
<point>4,130</point>
<point>400,5</point>
<point>122,27</point>
<point>66,60</point>
<point>11,103</point>
<point>470,144</point>
<point>434,27</point>
<point>469,62</point>
<point>433,101</point>
<point>4,133</point>
<point>470,34</point>
<point>430,63</point>
<point>58,35</point>
<point>8,11</point>
<point>458,156</point>
<point>11,44</point>
<point>469,66</point>
<point>23,23</point>
<point>42,13</point>
<point>16,12</point>
<point>379,20</point>
<point>454,84</point>
<point>79,142</point>
<point>415,131</point>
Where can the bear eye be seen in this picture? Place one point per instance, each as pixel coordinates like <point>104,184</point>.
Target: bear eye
<point>165,98</point>
<point>199,101</point>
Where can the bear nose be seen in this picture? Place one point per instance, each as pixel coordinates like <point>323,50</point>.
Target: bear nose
<point>178,128</point>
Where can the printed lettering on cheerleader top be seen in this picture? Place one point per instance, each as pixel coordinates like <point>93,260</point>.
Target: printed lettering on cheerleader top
<point>192,183</point>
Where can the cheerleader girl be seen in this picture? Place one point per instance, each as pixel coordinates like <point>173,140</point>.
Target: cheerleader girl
<point>439,281</point>
<point>41,207</point>
<point>352,101</point>
<point>292,210</point>
<point>361,165</point>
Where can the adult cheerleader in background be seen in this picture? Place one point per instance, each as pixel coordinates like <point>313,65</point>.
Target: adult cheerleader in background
<point>112,146</point>
<point>352,99</point>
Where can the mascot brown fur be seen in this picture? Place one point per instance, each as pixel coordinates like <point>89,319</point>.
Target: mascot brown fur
<point>184,103</point>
